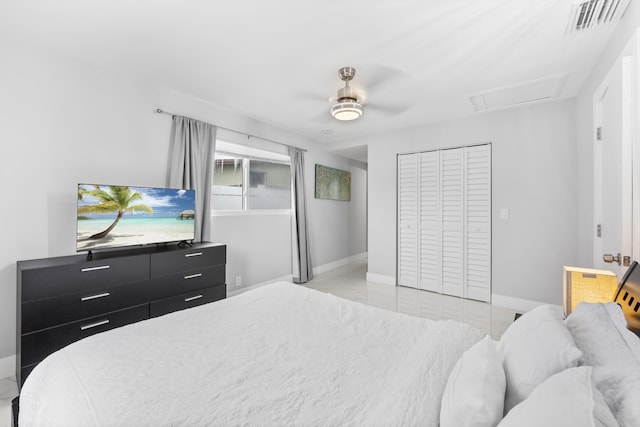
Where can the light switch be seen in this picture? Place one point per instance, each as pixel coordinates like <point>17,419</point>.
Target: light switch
<point>504,213</point>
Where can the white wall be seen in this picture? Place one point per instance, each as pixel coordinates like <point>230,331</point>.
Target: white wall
<point>337,229</point>
<point>358,208</point>
<point>258,247</point>
<point>585,125</point>
<point>63,122</point>
<point>328,219</point>
<point>534,169</point>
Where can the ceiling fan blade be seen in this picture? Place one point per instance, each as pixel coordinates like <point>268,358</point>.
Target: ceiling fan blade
<point>379,76</point>
<point>388,109</point>
<point>311,96</point>
<point>385,90</point>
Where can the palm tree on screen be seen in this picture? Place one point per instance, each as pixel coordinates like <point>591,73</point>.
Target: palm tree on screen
<point>118,199</point>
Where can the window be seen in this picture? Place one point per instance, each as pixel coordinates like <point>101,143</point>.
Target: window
<point>269,185</point>
<point>228,177</point>
<point>250,179</point>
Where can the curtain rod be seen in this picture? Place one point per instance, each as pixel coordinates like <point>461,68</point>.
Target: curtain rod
<point>161,111</point>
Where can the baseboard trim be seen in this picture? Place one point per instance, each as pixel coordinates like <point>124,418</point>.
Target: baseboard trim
<point>381,278</point>
<point>339,263</point>
<point>8,366</point>
<point>288,278</point>
<point>519,304</point>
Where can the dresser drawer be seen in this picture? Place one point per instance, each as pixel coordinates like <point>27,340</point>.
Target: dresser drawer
<point>83,276</point>
<point>187,281</point>
<point>38,345</point>
<point>44,313</point>
<point>188,300</point>
<point>188,259</point>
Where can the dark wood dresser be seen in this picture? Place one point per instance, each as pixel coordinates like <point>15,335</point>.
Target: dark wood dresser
<point>61,300</point>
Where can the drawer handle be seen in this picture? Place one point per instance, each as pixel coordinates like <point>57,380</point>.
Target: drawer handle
<point>106,294</point>
<point>192,254</point>
<point>192,298</point>
<point>94,325</point>
<point>100,267</point>
<point>193,276</point>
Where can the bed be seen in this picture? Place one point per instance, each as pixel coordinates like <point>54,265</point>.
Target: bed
<point>278,355</point>
<point>287,355</point>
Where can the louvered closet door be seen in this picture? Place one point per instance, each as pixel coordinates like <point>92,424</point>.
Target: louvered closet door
<point>430,222</point>
<point>408,220</point>
<point>452,205</point>
<point>444,221</point>
<point>478,222</point>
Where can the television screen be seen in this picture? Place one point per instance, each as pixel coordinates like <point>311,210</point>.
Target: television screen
<point>111,216</point>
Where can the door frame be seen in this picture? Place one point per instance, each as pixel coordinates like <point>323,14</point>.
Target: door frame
<point>629,60</point>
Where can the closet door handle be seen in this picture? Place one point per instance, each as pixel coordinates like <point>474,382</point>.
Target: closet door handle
<point>100,267</point>
<point>192,254</point>
<point>94,325</point>
<point>192,298</point>
<point>193,276</point>
<point>106,294</point>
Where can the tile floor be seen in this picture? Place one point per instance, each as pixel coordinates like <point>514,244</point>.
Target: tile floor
<point>350,282</point>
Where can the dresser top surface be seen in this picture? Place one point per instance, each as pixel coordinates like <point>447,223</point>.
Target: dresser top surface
<point>105,255</point>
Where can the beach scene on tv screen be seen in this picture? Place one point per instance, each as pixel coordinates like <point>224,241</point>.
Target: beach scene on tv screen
<point>114,216</point>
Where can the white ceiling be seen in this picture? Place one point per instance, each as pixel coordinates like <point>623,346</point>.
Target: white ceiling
<point>417,61</point>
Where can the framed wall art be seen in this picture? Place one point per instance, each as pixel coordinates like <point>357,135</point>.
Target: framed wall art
<point>332,184</point>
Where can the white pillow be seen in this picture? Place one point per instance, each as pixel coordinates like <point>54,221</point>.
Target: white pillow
<point>533,348</point>
<point>612,350</point>
<point>567,399</point>
<point>620,322</point>
<point>474,394</point>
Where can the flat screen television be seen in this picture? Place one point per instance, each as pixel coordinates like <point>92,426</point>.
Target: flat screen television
<point>111,216</point>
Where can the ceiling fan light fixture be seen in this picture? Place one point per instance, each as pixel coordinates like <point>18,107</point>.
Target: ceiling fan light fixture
<point>347,108</point>
<point>345,111</point>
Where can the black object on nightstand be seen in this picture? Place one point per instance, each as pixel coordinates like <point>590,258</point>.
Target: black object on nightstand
<point>15,406</point>
<point>62,300</point>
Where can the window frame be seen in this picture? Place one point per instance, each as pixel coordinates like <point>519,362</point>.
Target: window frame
<point>246,157</point>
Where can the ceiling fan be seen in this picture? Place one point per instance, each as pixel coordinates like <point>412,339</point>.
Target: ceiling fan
<point>393,88</point>
<point>347,106</point>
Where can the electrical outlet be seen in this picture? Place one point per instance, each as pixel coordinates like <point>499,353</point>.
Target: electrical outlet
<point>238,280</point>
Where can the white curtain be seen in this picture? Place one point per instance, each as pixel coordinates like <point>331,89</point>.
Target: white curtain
<point>191,149</point>
<point>302,268</point>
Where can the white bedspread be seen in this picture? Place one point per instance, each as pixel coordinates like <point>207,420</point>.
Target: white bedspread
<point>278,355</point>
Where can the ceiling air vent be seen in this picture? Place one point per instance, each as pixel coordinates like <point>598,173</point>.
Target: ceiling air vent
<point>533,91</point>
<point>591,13</point>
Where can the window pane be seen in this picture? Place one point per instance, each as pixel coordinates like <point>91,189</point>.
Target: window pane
<point>269,185</point>
<point>226,193</point>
